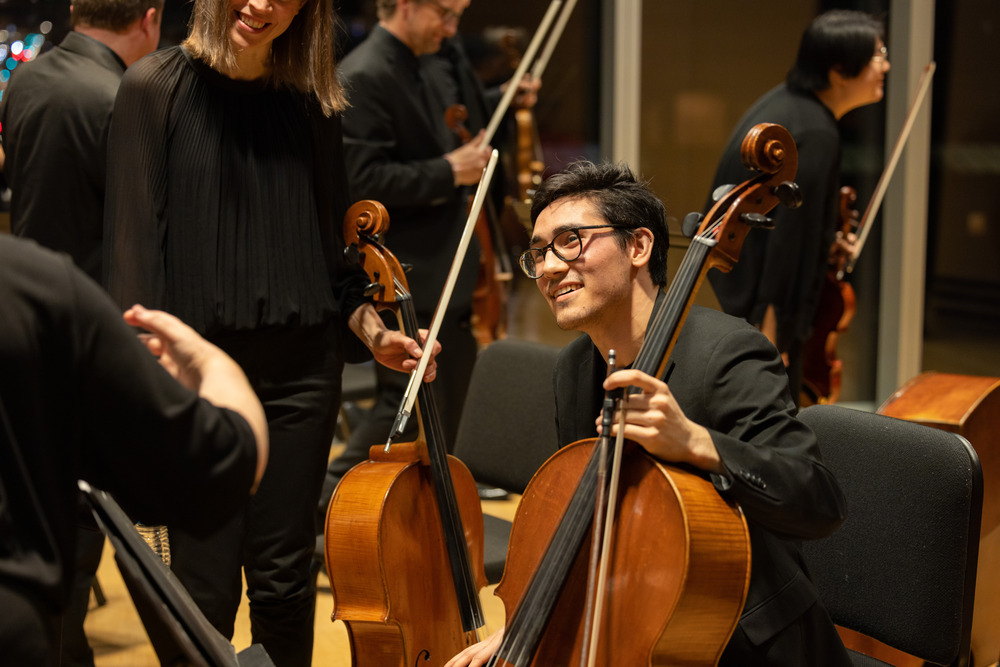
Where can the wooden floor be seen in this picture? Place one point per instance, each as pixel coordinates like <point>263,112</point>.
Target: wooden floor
<point>118,639</point>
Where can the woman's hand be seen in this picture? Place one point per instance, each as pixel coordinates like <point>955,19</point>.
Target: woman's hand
<point>392,349</point>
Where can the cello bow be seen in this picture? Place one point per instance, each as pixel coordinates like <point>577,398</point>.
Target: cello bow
<point>890,167</point>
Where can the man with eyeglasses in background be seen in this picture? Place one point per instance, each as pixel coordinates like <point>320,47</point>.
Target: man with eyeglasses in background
<point>400,151</point>
<point>599,257</point>
<point>841,65</point>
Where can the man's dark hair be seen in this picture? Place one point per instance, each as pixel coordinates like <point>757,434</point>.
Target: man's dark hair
<point>841,39</point>
<point>620,198</point>
<point>114,15</point>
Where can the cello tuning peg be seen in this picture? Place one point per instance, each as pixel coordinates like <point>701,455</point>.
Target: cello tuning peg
<point>352,255</point>
<point>372,289</point>
<point>691,223</point>
<point>789,194</point>
<point>406,267</point>
<point>721,191</point>
<point>757,221</point>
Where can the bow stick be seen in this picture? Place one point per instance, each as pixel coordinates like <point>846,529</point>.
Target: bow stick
<point>410,395</point>
<point>550,46</point>
<point>897,150</point>
<point>522,67</point>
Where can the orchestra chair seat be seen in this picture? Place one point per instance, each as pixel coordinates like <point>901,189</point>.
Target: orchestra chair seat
<point>508,427</point>
<point>899,576</point>
<point>179,632</point>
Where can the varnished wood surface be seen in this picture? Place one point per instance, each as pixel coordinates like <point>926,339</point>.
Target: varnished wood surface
<point>119,640</point>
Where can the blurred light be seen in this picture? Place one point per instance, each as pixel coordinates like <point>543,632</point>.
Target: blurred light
<point>3,51</point>
<point>4,75</point>
<point>11,63</point>
<point>37,41</point>
<point>4,35</point>
<point>16,47</point>
<point>28,54</point>
<point>45,27</point>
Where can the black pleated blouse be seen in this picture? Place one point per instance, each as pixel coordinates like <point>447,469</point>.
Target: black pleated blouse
<point>225,200</point>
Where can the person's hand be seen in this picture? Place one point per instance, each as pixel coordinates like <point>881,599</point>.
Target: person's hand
<point>527,92</point>
<point>468,161</point>
<point>396,350</point>
<point>654,420</point>
<point>478,654</point>
<point>392,349</point>
<point>841,249</point>
<point>178,347</point>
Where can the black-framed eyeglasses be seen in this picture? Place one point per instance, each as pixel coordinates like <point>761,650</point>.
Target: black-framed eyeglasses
<point>447,15</point>
<point>567,245</point>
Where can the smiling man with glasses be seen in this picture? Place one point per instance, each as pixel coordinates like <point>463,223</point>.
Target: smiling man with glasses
<point>599,257</point>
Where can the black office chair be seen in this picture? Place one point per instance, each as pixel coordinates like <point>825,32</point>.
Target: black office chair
<point>508,428</point>
<point>179,632</point>
<point>902,567</point>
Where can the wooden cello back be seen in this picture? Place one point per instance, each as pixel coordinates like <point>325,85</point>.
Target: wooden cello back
<point>969,406</point>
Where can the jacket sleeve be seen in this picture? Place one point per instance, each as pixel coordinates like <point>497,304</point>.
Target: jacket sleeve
<point>773,466</point>
<point>135,199</point>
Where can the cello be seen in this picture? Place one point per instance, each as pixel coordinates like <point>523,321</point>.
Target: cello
<point>821,369</point>
<point>406,520</point>
<point>679,557</point>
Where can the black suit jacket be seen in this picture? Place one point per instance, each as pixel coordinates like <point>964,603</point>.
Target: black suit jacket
<point>56,113</point>
<point>727,377</point>
<point>395,137</point>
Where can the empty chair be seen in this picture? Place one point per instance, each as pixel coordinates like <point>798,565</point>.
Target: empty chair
<point>902,567</point>
<point>508,427</point>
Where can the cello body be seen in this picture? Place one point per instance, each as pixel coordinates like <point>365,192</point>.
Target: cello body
<point>404,529</point>
<point>678,589</point>
<point>389,586</point>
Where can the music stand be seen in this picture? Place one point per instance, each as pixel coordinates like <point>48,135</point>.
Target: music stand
<point>179,632</point>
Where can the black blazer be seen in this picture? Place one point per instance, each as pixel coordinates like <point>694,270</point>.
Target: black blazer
<point>395,137</point>
<point>727,377</point>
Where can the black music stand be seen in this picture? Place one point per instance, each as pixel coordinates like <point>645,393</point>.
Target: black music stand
<point>179,632</point>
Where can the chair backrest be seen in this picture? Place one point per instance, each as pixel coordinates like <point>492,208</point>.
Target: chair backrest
<point>902,567</point>
<point>508,426</point>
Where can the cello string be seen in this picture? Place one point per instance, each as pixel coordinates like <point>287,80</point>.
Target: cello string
<point>461,565</point>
